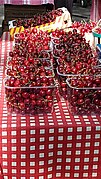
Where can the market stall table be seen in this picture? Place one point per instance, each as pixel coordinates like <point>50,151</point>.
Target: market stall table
<point>57,145</point>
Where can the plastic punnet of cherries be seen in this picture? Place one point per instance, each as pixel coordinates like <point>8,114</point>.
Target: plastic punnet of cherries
<point>84,94</point>
<point>74,56</point>
<point>32,77</point>
<point>29,83</point>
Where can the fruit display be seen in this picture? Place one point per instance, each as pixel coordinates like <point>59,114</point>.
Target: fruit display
<point>29,98</point>
<point>84,94</point>
<point>29,83</point>
<point>29,90</point>
<point>32,41</point>
<point>98,30</point>
<point>29,72</point>
<point>84,26</point>
<point>55,36</point>
<point>62,80</point>
<point>31,64</point>
<point>38,19</point>
<point>74,57</point>
<point>14,62</point>
<point>74,53</point>
<point>50,21</point>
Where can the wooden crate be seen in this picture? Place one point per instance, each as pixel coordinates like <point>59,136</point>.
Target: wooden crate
<point>21,11</point>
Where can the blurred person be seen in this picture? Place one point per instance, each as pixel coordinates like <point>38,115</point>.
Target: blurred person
<point>64,3</point>
<point>95,13</point>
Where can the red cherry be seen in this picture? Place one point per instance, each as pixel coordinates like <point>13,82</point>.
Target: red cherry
<point>25,95</point>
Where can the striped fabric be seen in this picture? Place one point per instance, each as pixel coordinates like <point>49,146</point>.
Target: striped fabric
<point>96,10</point>
<point>28,2</point>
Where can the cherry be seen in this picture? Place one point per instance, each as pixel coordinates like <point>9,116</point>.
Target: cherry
<point>63,84</point>
<point>50,104</point>
<point>16,83</point>
<point>27,101</point>
<point>49,97</point>
<point>21,105</point>
<point>33,102</point>
<point>25,95</point>
<point>32,96</point>
<point>42,92</point>
<point>11,54</point>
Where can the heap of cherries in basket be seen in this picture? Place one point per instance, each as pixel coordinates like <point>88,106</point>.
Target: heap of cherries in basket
<point>32,51</point>
<point>38,19</point>
<point>84,94</point>
<point>29,83</point>
<point>74,56</point>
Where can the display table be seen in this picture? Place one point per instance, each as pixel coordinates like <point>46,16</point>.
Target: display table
<point>51,146</point>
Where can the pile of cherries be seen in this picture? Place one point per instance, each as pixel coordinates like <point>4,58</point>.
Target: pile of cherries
<point>29,82</point>
<point>31,42</point>
<point>29,100</point>
<point>15,62</point>
<point>84,27</point>
<point>97,30</point>
<point>38,19</point>
<point>74,57</point>
<point>84,94</point>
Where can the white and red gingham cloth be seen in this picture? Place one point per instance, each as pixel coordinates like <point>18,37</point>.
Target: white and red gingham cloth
<point>26,2</point>
<point>52,146</point>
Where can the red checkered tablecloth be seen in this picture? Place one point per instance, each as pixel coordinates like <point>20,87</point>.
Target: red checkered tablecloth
<point>26,2</point>
<point>51,146</point>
